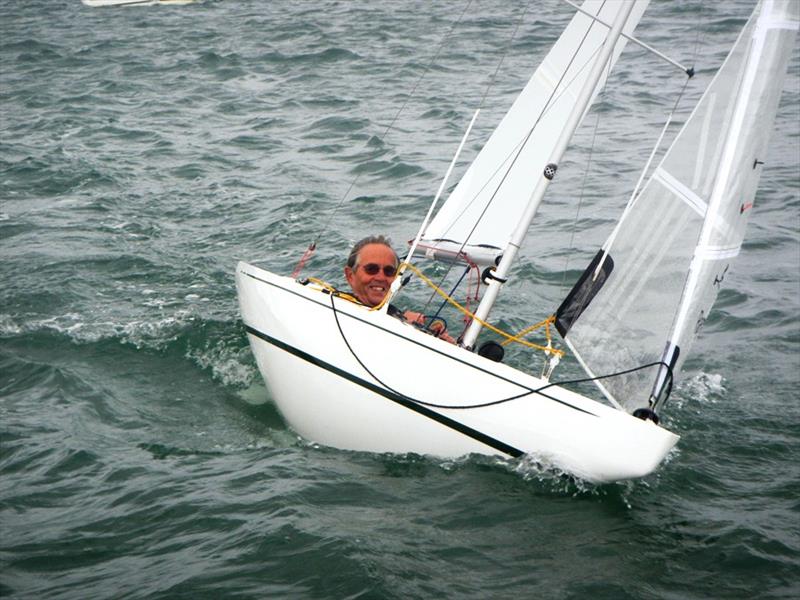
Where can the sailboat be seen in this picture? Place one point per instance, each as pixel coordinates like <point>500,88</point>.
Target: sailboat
<point>353,377</point>
<point>108,3</point>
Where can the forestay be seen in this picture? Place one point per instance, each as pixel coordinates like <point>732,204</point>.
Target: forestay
<point>478,218</point>
<point>689,218</point>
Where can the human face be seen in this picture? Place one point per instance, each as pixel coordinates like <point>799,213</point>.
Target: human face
<point>371,289</point>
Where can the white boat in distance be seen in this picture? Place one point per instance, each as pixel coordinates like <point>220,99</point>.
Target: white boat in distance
<point>347,376</point>
<point>109,3</point>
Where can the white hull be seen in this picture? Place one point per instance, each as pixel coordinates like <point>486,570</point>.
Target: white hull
<point>327,396</point>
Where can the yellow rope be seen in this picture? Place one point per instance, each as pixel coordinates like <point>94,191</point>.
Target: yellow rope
<point>344,295</point>
<point>509,338</point>
<point>334,292</point>
<point>546,324</point>
<point>322,284</point>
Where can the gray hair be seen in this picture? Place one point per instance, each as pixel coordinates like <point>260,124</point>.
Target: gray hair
<point>372,239</point>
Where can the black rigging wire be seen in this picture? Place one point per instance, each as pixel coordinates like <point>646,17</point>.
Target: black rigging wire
<point>486,90</point>
<point>672,112</point>
<point>528,391</point>
<point>518,148</point>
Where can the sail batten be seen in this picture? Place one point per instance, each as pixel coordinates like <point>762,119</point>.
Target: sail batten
<point>681,191</point>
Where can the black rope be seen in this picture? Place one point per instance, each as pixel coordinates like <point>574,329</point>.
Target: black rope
<point>528,392</point>
<point>551,384</point>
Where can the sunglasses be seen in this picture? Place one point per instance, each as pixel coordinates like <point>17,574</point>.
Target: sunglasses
<point>374,269</point>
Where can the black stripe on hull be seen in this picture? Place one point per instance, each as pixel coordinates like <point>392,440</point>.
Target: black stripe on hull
<point>397,398</point>
<point>538,392</point>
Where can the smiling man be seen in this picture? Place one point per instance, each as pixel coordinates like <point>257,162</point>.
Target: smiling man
<point>371,268</point>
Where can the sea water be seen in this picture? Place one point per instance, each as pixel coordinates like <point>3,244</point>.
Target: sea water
<point>143,151</point>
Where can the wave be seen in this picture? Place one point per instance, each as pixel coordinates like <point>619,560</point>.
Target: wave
<point>216,347</point>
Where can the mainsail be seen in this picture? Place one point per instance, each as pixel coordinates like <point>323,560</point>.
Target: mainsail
<point>519,149</point>
<point>689,218</point>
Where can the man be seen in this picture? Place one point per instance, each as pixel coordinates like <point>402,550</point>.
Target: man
<point>371,268</point>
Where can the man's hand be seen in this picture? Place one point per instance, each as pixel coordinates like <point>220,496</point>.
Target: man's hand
<point>437,328</point>
<point>414,318</point>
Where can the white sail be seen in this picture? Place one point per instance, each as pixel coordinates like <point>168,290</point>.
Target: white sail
<point>689,218</point>
<point>519,149</point>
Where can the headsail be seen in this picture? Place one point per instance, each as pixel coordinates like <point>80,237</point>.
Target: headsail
<point>520,147</point>
<point>689,218</point>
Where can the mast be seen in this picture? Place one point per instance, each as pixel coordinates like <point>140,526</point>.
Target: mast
<point>499,275</point>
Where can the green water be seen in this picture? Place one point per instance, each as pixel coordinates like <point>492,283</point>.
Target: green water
<point>145,150</point>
